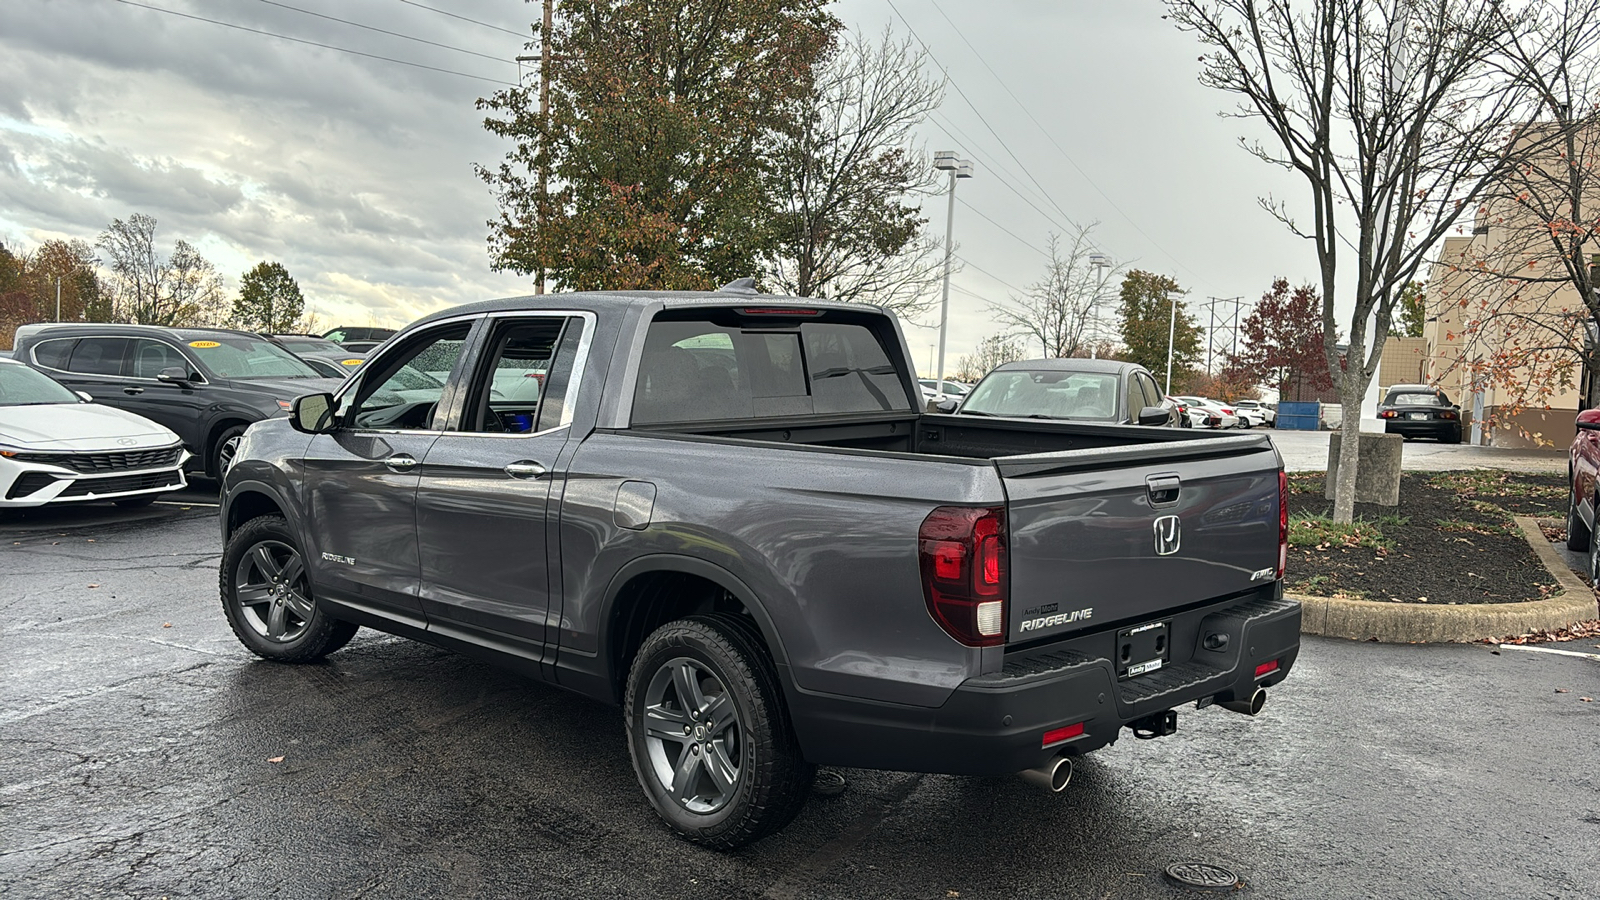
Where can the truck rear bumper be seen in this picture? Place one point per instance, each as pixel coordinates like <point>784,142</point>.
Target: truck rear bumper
<point>996,724</point>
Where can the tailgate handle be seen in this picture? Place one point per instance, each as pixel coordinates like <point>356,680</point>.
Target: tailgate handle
<point>1164,489</point>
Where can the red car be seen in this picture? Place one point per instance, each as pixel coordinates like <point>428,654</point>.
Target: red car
<point>1583,473</point>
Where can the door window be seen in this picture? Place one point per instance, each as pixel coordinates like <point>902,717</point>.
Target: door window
<point>401,390</point>
<point>1152,394</point>
<point>98,356</point>
<point>521,386</point>
<point>54,354</point>
<point>150,357</point>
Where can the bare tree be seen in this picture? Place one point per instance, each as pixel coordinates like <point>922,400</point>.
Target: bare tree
<point>1524,284</point>
<point>850,178</point>
<point>1061,309</point>
<point>994,350</point>
<point>149,289</point>
<point>1397,114</point>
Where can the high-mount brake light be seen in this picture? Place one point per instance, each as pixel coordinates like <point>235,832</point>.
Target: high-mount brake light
<point>962,550</point>
<point>1283,521</point>
<point>778,311</point>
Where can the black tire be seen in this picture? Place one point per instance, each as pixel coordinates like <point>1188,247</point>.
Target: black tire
<point>223,449</point>
<point>723,659</point>
<point>281,603</point>
<point>1455,436</point>
<point>1594,563</point>
<point>1578,536</point>
<point>136,502</point>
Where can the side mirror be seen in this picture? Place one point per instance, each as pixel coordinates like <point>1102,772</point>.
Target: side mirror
<point>312,414</point>
<point>177,375</point>
<point>84,396</point>
<point>1154,415</point>
<point>1589,420</point>
<point>945,406</point>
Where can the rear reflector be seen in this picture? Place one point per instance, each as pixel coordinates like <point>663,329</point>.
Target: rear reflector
<point>1057,735</point>
<point>1266,668</point>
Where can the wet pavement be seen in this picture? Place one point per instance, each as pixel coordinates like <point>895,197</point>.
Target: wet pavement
<point>1307,451</point>
<point>144,753</point>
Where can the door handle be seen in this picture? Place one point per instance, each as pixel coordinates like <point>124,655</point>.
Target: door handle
<point>401,462</point>
<point>524,468</point>
<point>131,391</point>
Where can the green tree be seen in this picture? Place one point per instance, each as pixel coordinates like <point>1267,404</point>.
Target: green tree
<point>657,143</point>
<point>74,263</point>
<point>269,300</point>
<point>1413,309</point>
<point>1147,310</point>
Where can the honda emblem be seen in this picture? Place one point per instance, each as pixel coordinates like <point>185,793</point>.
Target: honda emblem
<point>1169,534</point>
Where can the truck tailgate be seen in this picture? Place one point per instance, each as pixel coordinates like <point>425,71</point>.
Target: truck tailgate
<point>1125,534</point>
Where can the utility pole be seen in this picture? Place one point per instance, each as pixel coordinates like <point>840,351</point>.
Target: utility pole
<point>543,59</point>
<point>58,298</point>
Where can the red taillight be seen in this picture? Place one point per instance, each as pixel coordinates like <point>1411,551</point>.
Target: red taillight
<point>1283,521</point>
<point>1388,414</point>
<point>1057,735</point>
<point>1266,668</point>
<point>1447,414</point>
<point>963,554</point>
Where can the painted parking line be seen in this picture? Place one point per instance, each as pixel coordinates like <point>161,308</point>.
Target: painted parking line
<point>1593,656</point>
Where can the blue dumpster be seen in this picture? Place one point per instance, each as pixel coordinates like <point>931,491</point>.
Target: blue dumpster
<point>1299,416</point>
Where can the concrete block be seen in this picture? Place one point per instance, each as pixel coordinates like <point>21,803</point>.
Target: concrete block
<point>1378,478</point>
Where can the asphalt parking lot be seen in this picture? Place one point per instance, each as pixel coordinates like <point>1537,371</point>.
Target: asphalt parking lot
<point>144,753</point>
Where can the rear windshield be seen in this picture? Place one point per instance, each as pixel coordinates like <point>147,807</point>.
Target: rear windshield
<point>1045,394</point>
<point>1429,399</point>
<point>700,370</point>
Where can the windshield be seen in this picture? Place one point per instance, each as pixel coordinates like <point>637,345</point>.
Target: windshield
<point>22,386</point>
<point>238,356</point>
<point>1055,395</point>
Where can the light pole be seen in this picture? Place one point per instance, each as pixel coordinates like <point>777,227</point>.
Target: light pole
<point>1172,330</point>
<point>1102,262</point>
<point>946,161</point>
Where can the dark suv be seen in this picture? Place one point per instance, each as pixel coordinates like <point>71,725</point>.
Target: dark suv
<point>206,384</point>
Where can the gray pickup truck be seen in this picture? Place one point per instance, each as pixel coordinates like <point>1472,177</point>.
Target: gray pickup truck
<point>727,513</point>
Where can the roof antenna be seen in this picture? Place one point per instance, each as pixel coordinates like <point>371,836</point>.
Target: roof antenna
<point>739,286</point>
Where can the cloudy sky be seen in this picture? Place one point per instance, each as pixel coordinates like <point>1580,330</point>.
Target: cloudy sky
<point>356,172</point>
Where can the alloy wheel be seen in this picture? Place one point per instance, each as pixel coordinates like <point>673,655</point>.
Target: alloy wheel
<point>225,454</point>
<point>693,735</point>
<point>271,591</point>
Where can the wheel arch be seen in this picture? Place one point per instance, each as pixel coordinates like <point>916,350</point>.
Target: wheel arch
<point>652,590</point>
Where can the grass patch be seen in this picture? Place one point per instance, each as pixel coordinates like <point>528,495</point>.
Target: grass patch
<point>1322,533</point>
<point>1507,527</point>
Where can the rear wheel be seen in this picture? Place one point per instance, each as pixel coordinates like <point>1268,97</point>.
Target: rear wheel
<point>711,741</point>
<point>266,596</point>
<point>1578,537</point>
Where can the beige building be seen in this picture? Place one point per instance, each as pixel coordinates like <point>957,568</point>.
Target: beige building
<point>1489,372</point>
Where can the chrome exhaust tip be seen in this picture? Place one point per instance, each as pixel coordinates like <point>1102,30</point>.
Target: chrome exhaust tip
<point>1249,706</point>
<point>1053,776</point>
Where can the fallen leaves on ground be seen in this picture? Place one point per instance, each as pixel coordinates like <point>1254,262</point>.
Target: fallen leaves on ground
<point>275,760</point>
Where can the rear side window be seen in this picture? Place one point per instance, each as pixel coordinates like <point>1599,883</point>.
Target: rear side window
<point>98,356</point>
<point>54,354</point>
<point>703,370</point>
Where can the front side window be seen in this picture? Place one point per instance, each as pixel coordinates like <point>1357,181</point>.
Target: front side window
<point>22,386</point>
<point>520,387</point>
<point>400,393</point>
<point>696,370</point>
<point>150,357</point>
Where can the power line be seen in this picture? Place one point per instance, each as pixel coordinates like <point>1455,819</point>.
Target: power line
<point>979,268</point>
<point>1051,138</point>
<point>397,34</point>
<point>414,65</point>
<point>996,170</point>
<point>464,19</point>
<point>1013,234</point>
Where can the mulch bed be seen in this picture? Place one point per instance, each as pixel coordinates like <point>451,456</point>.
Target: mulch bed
<point>1450,541</point>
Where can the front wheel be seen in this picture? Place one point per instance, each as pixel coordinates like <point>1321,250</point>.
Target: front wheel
<point>711,741</point>
<point>223,452</point>
<point>267,596</point>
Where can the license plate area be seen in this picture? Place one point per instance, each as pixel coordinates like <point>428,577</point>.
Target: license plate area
<point>1416,415</point>
<point>1142,649</point>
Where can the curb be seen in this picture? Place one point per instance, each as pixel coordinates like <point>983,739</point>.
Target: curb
<point>1415,623</point>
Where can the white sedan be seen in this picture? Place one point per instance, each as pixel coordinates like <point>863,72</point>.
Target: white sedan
<point>1209,413</point>
<point>57,447</point>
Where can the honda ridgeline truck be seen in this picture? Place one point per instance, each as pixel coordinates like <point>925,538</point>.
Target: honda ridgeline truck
<point>728,514</point>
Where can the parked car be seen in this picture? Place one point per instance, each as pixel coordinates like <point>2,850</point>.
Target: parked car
<point>1583,495</point>
<point>1210,414</point>
<point>1250,413</point>
<point>1419,410</point>
<point>329,359</point>
<point>359,339</point>
<point>730,517</point>
<point>1179,409</point>
<point>1269,411</point>
<point>937,402</point>
<point>206,384</point>
<point>58,447</point>
<point>951,388</point>
<point>1091,390</point>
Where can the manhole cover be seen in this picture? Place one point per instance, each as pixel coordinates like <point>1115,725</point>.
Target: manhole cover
<point>1204,876</point>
